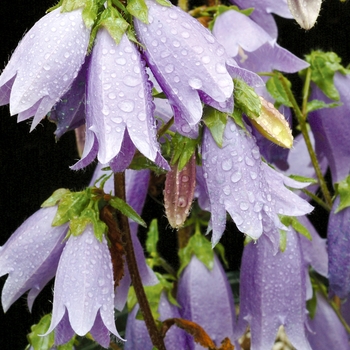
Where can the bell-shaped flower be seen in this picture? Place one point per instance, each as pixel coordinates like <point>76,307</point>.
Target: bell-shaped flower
<point>236,180</point>
<point>119,108</point>
<point>331,128</point>
<point>31,256</point>
<point>263,10</point>
<point>326,331</point>
<point>84,290</point>
<point>338,239</point>
<point>188,63</point>
<point>206,298</point>
<point>305,12</point>
<point>273,293</point>
<point>44,65</point>
<point>136,334</point>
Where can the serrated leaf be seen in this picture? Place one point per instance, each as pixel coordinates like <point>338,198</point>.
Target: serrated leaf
<point>35,338</point>
<point>55,197</point>
<point>246,99</point>
<point>283,240</point>
<point>293,221</point>
<point>304,179</point>
<point>277,91</point>
<point>126,210</point>
<point>184,148</point>
<point>199,246</point>
<point>152,238</point>
<point>314,105</point>
<point>116,25</point>
<point>138,9</point>
<point>323,67</point>
<point>216,122</point>
<point>70,207</point>
<point>343,189</point>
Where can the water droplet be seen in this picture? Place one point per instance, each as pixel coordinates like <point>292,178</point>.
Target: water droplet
<point>244,205</point>
<point>205,59</point>
<point>253,175</point>
<point>176,43</point>
<point>236,176</point>
<point>126,105</point>
<point>129,80</point>
<point>185,35</point>
<point>249,161</point>
<point>121,61</point>
<point>47,67</point>
<point>176,79</point>
<point>165,54</point>
<point>105,111</point>
<point>210,39</point>
<point>227,190</point>
<point>226,165</point>
<point>154,43</point>
<point>197,49</point>
<point>237,218</point>
<point>185,178</point>
<point>182,202</point>
<point>112,95</point>
<point>169,68</point>
<point>195,83</point>
<point>172,15</point>
<point>141,116</point>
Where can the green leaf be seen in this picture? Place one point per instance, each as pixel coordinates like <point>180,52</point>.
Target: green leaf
<point>215,122</point>
<point>323,67</point>
<point>304,179</point>
<point>246,99</point>
<point>164,3</point>
<point>199,246</point>
<point>140,162</point>
<point>314,105</point>
<point>184,148</point>
<point>55,197</point>
<point>90,13</point>
<point>293,221</point>
<point>114,23</point>
<point>138,9</point>
<point>343,189</point>
<point>152,238</point>
<point>126,210</point>
<point>238,118</point>
<point>70,207</point>
<point>71,5</point>
<point>283,240</point>
<point>277,91</point>
<point>35,338</point>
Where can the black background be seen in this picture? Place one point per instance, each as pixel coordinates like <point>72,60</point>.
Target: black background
<point>33,165</point>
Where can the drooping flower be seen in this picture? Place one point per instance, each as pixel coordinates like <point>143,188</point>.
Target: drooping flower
<point>44,64</point>
<point>137,335</point>
<point>305,12</point>
<point>263,10</point>
<point>273,293</point>
<point>188,63</point>
<point>31,256</point>
<point>119,108</point>
<point>206,298</point>
<point>236,180</point>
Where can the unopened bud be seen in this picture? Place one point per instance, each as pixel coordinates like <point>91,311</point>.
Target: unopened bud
<point>305,12</point>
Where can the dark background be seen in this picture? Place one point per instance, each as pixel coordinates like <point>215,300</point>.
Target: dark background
<point>33,165</point>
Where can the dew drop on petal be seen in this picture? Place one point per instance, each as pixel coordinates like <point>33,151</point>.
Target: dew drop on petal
<point>126,105</point>
<point>236,176</point>
<point>226,164</point>
<point>195,83</point>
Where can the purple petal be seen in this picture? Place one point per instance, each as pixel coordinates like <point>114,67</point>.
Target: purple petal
<point>45,63</point>
<point>338,235</point>
<point>331,128</point>
<point>63,331</point>
<point>88,288</point>
<point>206,298</point>
<point>30,256</point>
<point>272,293</point>
<point>326,332</point>
<point>184,59</point>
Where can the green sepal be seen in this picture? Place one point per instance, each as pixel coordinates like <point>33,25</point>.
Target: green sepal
<point>220,251</point>
<point>246,99</point>
<point>70,207</point>
<point>138,9</point>
<point>323,67</point>
<point>90,9</point>
<point>311,304</point>
<point>247,240</point>
<point>71,5</point>
<point>55,197</point>
<point>216,122</point>
<point>35,338</point>
<point>126,210</point>
<point>314,105</point>
<point>140,162</point>
<point>275,87</point>
<point>304,179</point>
<point>114,23</point>
<point>164,3</point>
<point>152,239</point>
<point>283,240</point>
<point>293,221</point>
<point>342,188</point>
<point>184,147</point>
<point>199,246</point>
<point>237,116</point>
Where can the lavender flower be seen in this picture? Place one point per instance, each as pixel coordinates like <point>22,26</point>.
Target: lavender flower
<point>238,181</point>
<point>188,63</point>
<point>198,290</point>
<point>273,293</point>
<point>44,64</point>
<point>119,110</point>
<point>305,12</point>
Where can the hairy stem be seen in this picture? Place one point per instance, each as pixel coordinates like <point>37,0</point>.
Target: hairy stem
<point>123,223</point>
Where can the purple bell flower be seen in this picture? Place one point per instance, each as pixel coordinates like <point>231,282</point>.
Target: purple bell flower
<point>273,293</point>
<point>206,298</point>
<point>188,63</point>
<point>119,108</point>
<point>44,65</point>
<point>237,181</point>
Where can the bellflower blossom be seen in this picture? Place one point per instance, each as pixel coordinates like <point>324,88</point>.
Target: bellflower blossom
<point>44,64</point>
<point>238,181</point>
<point>188,63</point>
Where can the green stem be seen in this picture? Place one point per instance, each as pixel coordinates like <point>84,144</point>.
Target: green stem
<point>318,200</point>
<point>302,122</point>
<point>123,223</point>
